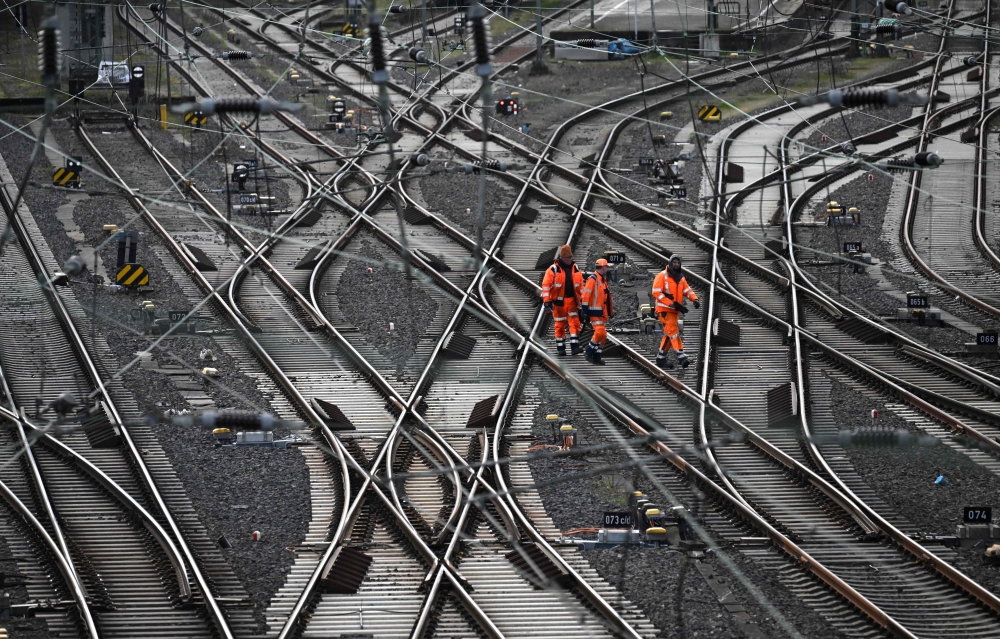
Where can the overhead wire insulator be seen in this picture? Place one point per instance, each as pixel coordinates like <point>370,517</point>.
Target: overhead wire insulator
<point>211,106</point>
<point>379,73</point>
<point>864,97</point>
<point>238,55</point>
<point>397,8</point>
<point>920,161</point>
<point>899,438</point>
<point>887,26</point>
<point>480,32</point>
<point>237,419</point>
<point>420,159</point>
<point>929,159</point>
<point>155,7</point>
<point>490,165</point>
<point>418,55</point>
<point>899,6</point>
<point>197,31</point>
<point>970,60</point>
<point>49,53</point>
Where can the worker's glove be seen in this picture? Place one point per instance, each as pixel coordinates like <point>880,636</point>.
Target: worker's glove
<point>680,307</point>
<point>548,306</point>
<point>697,304</point>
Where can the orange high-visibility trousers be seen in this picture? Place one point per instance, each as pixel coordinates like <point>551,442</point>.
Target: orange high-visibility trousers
<point>600,331</point>
<point>568,313</point>
<point>671,334</point>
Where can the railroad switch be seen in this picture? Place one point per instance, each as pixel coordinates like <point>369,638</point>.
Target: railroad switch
<point>555,422</point>
<point>918,309</point>
<point>645,527</point>
<point>970,535</point>
<point>258,439</point>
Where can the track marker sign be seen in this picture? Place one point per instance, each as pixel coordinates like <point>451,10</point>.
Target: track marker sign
<point>618,520</point>
<point>977,514</point>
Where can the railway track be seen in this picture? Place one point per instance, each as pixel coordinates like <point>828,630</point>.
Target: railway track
<point>293,620</point>
<point>408,423</point>
<point>95,487</point>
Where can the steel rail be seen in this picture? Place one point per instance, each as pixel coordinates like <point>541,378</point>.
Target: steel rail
<point>63,563</point>
<point>57,541</point>
<point>290,624</point>
<point>394,505</point>
<point>42,493</point>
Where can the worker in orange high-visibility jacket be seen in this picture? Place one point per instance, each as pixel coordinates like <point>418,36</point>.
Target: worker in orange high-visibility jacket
<point>670,290</point>
<point>597,308</point>
<point>561,295</point>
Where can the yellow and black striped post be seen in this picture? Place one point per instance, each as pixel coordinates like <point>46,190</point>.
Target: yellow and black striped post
<point>132,275</point>
<point>709,113</point>
<point>195,119</point>
<point>66,177</point>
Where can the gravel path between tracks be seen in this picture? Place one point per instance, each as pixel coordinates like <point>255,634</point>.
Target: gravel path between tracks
<point>240,490</point>
<point>904,477</point>
<point>450,194</point>
<point>858,123</point>
<point>16,150</point>
<point>651,576</point>
<point>215,478</point>
<point>370,301</point>
<point>636,143</point>
<point>821,244</point>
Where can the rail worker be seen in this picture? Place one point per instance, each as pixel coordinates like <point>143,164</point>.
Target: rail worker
<point>561,294</point>
<point>597,309</point>
<point>670,289</point>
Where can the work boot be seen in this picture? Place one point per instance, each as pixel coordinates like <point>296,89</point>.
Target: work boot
<point>561,349</point>
<point>683,360</point>
<point>661,361</point>
<point>589,351</point>
<point>597,357</point>
<point>574,348</point>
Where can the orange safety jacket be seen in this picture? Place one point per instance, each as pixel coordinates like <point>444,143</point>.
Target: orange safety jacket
<point>667,290</point>
<point>554,287</point>
<point>597,296</point>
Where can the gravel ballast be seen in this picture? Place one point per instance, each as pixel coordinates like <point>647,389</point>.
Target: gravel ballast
<point>650,577</point>
<point>371,301</point>
<point>450,194</point>
<point>904,477</point>
<point>820,244</point>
